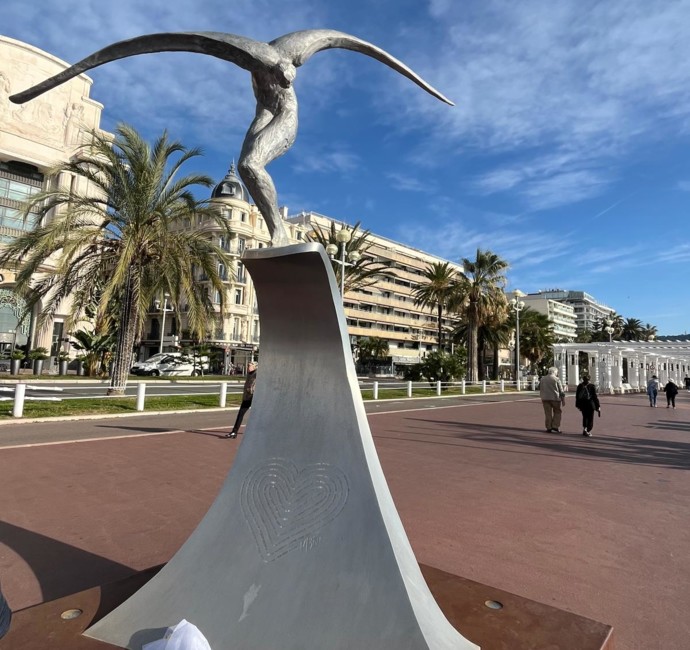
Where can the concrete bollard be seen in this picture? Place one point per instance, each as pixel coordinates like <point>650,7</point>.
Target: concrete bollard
<point>438,387</point>
<point>376,390</point>
<point>462,387</point>
<point>223,394</point>
<point>534,383</point>
<point>19,394</point>
<point>141,396</point>
<point>517,383</point>
<point>503,385</point>
<point>409,389</point>
<point>483,385</point>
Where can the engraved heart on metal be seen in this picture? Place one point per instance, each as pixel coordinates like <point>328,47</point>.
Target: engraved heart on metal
<point>285,506</point>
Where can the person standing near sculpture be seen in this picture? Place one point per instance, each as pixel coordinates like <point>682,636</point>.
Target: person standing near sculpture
<point>671,391</point>
<point>247,397</point>
<point>653,387</point>
<point>553,400</point>
<point>587,402</point>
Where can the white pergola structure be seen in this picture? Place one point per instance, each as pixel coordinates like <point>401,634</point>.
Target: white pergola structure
<point>619,366</point>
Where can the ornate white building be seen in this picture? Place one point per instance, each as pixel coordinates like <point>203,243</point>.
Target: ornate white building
<point>33,138</point>
<point>619,366</point>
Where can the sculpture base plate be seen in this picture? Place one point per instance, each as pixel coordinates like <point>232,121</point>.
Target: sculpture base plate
<point>520,624</point>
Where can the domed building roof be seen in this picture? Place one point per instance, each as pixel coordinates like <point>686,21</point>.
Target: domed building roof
<point>231,187</point>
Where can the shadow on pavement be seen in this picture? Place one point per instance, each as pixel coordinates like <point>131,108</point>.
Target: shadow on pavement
<point>60,569</point>
<point>642,451</point>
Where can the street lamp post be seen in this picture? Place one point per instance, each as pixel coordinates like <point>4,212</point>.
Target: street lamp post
<point>343,236</point>
<point>165,311</point>
<point>517,306</point>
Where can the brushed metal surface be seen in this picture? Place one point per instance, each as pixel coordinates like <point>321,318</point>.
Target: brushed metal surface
<point>303,548</point>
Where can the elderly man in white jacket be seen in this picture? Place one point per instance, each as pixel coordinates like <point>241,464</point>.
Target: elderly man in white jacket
<point>553,399</point>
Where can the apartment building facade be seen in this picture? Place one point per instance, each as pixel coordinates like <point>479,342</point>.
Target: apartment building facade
<point>588,310</point>
<point>386,309</point>
<point>560,314</point>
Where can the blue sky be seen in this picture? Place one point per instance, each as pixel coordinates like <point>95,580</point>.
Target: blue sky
<point>566,152</point>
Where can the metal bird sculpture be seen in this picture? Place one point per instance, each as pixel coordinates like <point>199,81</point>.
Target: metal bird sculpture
<point>273,68</point>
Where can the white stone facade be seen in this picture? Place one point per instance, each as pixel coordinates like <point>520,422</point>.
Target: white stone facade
<point>33,138</point>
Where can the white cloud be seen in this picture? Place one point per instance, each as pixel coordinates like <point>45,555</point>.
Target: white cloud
<point>336,158</point>
<point>588,80</point>
<point>408,183</point>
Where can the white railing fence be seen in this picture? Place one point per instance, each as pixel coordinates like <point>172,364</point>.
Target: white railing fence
<point>20,392</point>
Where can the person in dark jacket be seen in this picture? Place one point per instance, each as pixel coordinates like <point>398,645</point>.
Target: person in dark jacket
<point>587,401</point>
<point>247,396</point>
<point>671,391</point>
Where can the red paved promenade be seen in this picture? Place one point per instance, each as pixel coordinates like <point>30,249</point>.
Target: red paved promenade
<point>599,526</point>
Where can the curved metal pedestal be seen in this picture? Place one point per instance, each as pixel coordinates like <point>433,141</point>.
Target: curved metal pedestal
<point>303,547</point>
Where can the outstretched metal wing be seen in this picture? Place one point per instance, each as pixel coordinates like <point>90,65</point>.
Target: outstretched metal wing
<point>244,52</point>
<point>299,46</point>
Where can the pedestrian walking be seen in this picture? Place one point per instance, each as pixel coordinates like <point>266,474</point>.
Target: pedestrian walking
<point>553,400</point>
<point>671,391</point>
<point>587,401</point>
<point>653,387</point>
<point>247,396</point>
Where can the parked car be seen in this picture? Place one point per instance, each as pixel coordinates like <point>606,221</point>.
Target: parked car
<point>167,364</point>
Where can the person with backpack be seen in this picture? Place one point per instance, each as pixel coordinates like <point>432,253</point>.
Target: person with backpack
<point>587,401</point>
<point>671,391</point>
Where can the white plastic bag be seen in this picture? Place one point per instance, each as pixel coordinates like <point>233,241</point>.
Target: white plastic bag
<point>183,636</point>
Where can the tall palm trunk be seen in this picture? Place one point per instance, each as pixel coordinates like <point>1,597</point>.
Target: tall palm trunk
<point>472,365</point>
<point>125,340</point>
<point>440,327</point>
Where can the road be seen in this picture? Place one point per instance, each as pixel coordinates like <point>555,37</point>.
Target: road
<point>78,428</point>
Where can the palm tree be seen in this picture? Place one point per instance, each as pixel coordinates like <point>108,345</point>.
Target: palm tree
<point>617,323</point>
<point>95,349</point>
<point>632,329</point>
<point>363,272</point>
<point>479,295</point>
<point>648,332</point>
<point>372,349</point>
<point>495,333</point>
<point>436,292</point>
<point>536,335</point>
<point>123,239</point>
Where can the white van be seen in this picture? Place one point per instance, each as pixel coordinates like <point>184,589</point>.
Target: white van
<point>171,364</point>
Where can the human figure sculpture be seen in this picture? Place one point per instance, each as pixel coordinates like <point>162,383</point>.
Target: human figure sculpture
<point>273,68</point>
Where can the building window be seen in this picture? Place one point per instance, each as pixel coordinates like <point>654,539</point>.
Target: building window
<point>16,190</point>
<point>239,297</point>
<point>240,272</point>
